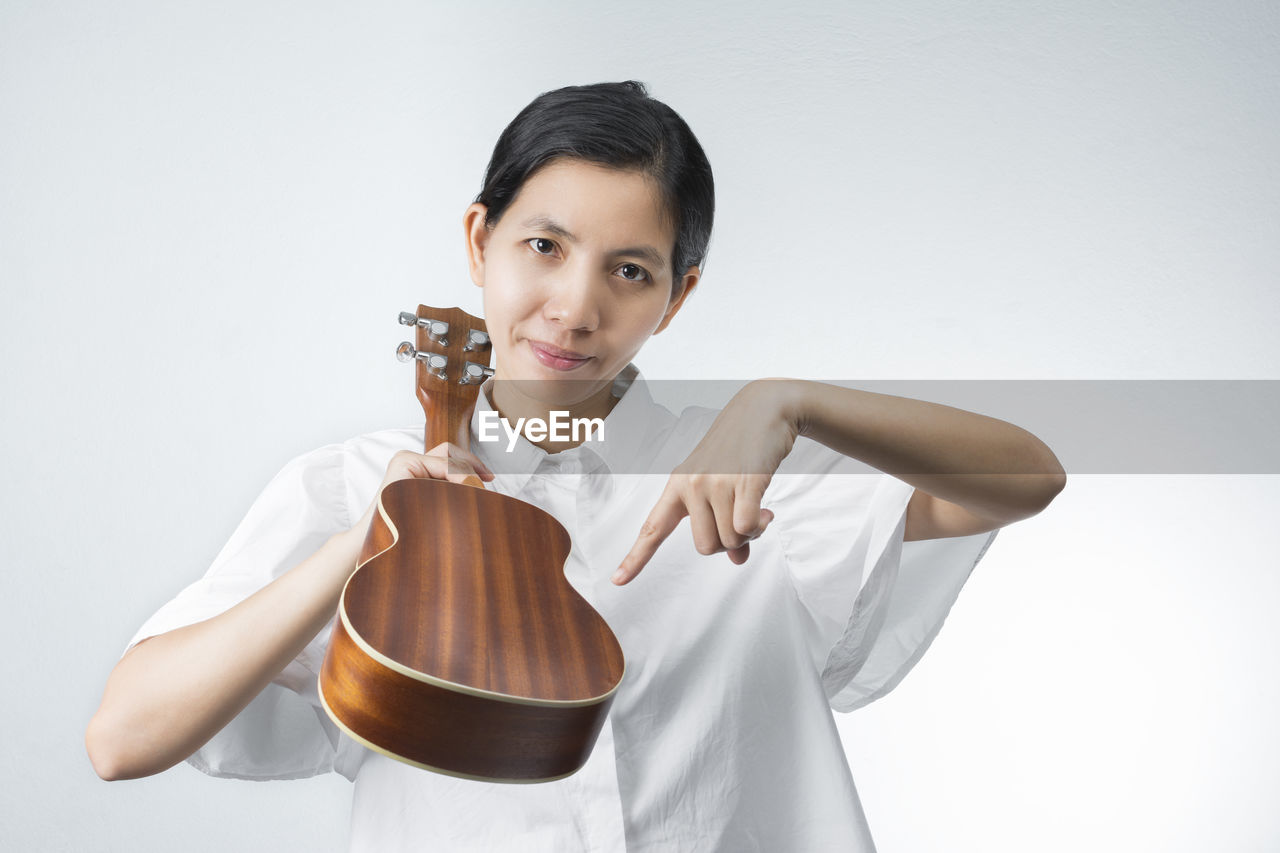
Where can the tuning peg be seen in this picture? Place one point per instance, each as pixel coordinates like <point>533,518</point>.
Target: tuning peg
<point>473,373</point>
<point>436,363</point>
<point>476,340</point>
<point>436,329</point>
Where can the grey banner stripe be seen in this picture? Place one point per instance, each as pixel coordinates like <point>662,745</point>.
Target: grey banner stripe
<point>1165,426</point>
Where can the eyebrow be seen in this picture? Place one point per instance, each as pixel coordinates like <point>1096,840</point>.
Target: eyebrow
<point>546,223</point>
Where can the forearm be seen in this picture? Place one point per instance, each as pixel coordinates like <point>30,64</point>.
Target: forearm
<point>988,466</point>
<point>171,693</point>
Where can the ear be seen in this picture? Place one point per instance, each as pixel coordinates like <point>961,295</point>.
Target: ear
<point>687,284</point>
<point>477,237</point>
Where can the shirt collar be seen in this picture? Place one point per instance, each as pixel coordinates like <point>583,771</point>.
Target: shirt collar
<point>629,430</point>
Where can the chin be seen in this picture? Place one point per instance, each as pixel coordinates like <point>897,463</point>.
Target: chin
<point>556,389</point>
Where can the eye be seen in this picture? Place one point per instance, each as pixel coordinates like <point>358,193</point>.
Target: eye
<point>546,247</point>
<point>534,243</point>
<point>638,273</point>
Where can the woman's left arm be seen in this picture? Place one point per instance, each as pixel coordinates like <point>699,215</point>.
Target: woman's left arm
<point>972,473</point>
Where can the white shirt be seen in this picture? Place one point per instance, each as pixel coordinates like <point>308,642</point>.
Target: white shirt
<point>721,736</point>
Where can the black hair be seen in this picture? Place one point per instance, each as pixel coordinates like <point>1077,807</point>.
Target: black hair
<point>619,126</point>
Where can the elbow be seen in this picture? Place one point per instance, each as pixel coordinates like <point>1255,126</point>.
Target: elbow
<point>1049,485</point>
<point>1050,490</point>
<point>1034,492</point>
<point>1056,478</point>
<point>1049,477</point>
<point>109,755</point>
<point>105,760</point>
<point>119,740</point>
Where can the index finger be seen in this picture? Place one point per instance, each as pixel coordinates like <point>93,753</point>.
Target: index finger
<point>663,518</point>
<point>462,461</point>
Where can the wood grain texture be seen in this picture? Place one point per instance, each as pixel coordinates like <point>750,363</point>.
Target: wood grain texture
<point>460,645</point>
<point>451,732</point>
<point>446,403</point>
<point>477,596</point>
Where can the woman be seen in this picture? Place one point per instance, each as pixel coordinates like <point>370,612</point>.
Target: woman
<point>588,237</point>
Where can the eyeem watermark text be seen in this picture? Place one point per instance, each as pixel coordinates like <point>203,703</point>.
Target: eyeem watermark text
<point>561,427</point>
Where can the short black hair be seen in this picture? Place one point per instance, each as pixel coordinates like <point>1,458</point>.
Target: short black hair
<point>619,126</point>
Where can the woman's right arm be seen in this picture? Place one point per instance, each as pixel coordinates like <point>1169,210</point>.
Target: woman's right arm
<point>171,693</point>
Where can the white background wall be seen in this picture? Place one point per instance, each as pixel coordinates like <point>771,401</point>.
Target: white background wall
<point>211,213</point>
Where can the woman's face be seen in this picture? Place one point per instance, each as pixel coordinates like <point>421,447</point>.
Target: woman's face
<point>576,277</point>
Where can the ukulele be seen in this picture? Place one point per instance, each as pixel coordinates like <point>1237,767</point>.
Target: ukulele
<point>460,647</point>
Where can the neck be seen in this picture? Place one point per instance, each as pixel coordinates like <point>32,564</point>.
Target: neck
<point>512,400</point>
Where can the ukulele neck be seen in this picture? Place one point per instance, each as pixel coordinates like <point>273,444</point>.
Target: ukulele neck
<point>453,355</point>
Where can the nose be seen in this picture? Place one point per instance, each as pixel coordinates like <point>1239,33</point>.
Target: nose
<point>574,299</point>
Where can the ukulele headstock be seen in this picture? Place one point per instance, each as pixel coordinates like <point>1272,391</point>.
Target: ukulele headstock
<point>453,353</point>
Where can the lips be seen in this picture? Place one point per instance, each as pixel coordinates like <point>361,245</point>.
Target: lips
<point>556,357</point>
<point>557,351</point>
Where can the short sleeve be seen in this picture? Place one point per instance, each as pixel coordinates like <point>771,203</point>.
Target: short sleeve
<point>283,733</point>
<point>874,603</point>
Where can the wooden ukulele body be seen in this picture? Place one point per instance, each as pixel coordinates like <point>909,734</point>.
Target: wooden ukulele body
<point>460,646</point>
